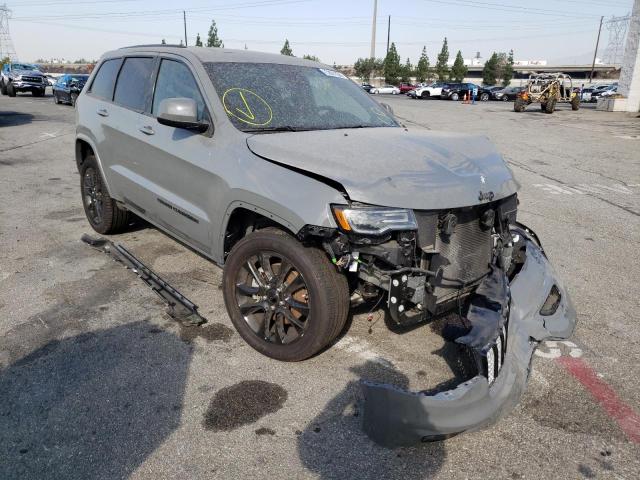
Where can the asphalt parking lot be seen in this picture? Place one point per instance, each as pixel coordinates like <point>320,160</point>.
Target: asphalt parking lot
<point>96,382</point>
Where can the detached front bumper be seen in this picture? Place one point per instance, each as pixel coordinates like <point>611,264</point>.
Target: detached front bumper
<point>395,417</point>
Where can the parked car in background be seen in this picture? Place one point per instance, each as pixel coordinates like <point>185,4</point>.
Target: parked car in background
<point>609,91</point>
<point>22,77</point>
<point>367,87</point>
<point>406,87</point>
<point>385,89</point>
<point>600,89</point>
<point>427,91</point>
<point>585,95</point>
<point>51,80</point>
<point>68,87</point>
<point>507,94</point>
<point>485,93</point>
<point>457,91</point>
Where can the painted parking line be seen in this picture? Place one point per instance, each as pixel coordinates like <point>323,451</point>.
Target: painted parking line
<point>626,418</point>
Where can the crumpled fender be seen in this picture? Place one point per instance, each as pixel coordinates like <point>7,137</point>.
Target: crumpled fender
<point>394,417</point>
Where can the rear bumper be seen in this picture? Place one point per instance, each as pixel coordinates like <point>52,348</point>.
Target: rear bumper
<point>394,417</point>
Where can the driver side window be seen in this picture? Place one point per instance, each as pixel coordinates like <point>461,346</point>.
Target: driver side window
<point>175,80</point>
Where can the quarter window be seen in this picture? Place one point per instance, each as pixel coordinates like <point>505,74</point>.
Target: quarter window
<point>102,85</point>
<point>133,80</point>
<point>176,81</point>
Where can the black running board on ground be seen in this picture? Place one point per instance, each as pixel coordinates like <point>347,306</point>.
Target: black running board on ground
<point>179,307</point>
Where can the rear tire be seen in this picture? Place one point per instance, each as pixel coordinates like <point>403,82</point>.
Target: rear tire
<point>102,212</point>
<point>484,97</point>
<point>575,103</point>
<point>56,100</point>
<point>74,98</point>
<point>254,294</point>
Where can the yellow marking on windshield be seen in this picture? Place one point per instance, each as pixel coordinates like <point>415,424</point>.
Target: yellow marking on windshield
<point>254,111</point>
<point>248,113</point>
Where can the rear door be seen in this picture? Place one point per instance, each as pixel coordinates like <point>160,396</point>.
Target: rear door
<point>177,163</point>
<point>126,143</point>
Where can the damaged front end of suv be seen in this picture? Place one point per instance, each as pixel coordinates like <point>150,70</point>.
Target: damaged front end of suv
<point>478,262</point>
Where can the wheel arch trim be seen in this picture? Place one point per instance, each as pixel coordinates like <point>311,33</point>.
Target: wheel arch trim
<point>79,158</point>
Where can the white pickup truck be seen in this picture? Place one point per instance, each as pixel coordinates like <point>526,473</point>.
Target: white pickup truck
<point>429,91</point>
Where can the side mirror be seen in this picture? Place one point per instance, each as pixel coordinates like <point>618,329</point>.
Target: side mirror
<point>181,113</point>
<point>387,107</point>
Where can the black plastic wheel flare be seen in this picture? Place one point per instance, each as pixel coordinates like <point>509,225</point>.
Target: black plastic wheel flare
<point>273,298</point>
<point>92,195</point>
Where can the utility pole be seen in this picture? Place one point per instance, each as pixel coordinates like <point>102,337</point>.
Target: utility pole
<point>388,32</point>
<point>6,44</point>
<point>593,64</point>
<point>373,29</point>
<point>184,19</point>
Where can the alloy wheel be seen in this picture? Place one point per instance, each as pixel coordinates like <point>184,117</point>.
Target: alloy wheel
<point>273,298</point>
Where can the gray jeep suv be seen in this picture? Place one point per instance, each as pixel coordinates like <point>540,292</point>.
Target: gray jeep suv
<point>313,197</point>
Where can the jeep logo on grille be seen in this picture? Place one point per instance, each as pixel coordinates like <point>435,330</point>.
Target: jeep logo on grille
<point>485,196</point>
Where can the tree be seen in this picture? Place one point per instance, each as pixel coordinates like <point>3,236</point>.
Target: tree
<point>422,69</point>
<point>213,40</point>
<point>459,69</point>
<point>365,68</point>
<point>443,58</point>
<point>407,71</point>
<point>286,49</point>
<point>391,66</point>
<point>198,41</point>
<point>507,70</point>
<point>164,42</point>
<point>490,70</point>
<point>6,60</point>
<point>311,57</point>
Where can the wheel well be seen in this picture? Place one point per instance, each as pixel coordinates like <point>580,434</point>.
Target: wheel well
<point>83,149</point>
<point>242,222</point>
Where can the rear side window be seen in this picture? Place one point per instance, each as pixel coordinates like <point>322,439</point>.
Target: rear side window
<point>102,85</point>
<point>132,87</point>
<point>176,81</point>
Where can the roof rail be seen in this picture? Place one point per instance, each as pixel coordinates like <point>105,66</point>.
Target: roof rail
<point>154,45</point>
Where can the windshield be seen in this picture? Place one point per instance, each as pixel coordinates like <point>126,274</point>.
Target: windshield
<point>24,66</point>
<point>274,97</point>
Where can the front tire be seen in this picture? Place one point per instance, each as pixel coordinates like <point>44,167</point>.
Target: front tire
<point>3,88</point>
<point>425,95</point>
<point>74,98</point>
<point>11,90</point>
<point>102,212</point>
<point>455,97</point>
<point>56,100</point>
<point>519,105</point>
<point>550,106</point>
<point>286,300</point>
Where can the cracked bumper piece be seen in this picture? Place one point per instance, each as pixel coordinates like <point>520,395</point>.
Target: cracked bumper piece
<point>396,417</point>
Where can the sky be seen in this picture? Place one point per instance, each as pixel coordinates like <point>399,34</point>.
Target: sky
<point>336,31</point>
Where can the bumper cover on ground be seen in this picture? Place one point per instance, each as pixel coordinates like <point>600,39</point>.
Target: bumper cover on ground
<point>395,417</point>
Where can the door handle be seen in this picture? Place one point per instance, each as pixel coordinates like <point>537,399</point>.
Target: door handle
<point>147,130</point>
<point>102,112</point>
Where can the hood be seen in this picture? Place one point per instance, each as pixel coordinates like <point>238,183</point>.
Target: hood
<point>395,167</point>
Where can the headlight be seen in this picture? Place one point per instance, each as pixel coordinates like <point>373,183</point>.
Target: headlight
<point>374,220</point>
